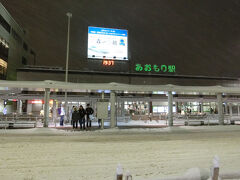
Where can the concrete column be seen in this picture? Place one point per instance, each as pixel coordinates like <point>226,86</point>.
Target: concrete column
<point>46,106</point>
<point>180,107</point>
<point>54,112</point>
<point>225,108</point>
<point>170,108</point>
<point>19,106</point>
<point>66,108</point>
<point>238,110</point>
<point>177,109</point>
<point>230,110</point>
<point>220,109</point>
<point>113,121</point>
<point>29,107</point>
<point>122,109</point>
<point>201,107</point>
<point>150,107</point>
<point>118,110</point>
<point>102,120</point>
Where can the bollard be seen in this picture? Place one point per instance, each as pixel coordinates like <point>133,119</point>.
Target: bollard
<point>102,124</point>
<point>119,173</point>
<point>128,176</point>
<point>215,169</point>
<point>215,173</point>
<point>5,123</point>
<point>35,122</point>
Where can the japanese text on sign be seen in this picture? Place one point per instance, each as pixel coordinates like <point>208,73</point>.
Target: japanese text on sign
<point>155,68</point>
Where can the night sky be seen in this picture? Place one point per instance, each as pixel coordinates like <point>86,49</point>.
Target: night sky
<point>200,37</point>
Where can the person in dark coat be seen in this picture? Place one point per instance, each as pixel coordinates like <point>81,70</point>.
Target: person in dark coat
<point>82,113</point>
<point>71,114</point>
<point>89,111</point>
<point>75,117</point>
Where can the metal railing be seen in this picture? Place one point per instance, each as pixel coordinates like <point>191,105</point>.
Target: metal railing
<point>16,120</point>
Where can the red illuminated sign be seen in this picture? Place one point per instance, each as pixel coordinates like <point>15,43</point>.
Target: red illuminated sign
<point>39,101</point>
<point>35,101</point>
<point>108,62</point>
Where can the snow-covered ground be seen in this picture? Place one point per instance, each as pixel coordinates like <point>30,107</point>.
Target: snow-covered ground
<point>36,154</point>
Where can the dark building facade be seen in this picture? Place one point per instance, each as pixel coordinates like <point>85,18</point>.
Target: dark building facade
<point>201,38</point>
<point>15,52</point>
<point>40,73</point>
<point>187,44</point>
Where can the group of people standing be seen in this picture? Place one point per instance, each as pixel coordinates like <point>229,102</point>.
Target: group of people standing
<point>78,115</point>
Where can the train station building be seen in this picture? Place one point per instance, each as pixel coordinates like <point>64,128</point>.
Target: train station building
<point>109,71</point>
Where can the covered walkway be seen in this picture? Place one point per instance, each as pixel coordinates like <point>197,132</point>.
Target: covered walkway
<point>117,94</point>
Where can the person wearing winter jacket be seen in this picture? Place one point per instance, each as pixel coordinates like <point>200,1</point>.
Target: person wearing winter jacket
<point>75,117</point>
<point>82,113</point>
<point>89,111</point>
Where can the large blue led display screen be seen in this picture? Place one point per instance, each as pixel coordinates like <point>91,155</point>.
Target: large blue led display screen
<point>107,43</point>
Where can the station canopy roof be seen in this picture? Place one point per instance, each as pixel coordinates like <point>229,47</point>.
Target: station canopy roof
<point>58,86</point>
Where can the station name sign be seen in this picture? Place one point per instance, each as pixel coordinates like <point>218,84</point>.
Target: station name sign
<point>155,68</point>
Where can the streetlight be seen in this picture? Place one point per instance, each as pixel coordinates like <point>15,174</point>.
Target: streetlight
<point>69,15</point>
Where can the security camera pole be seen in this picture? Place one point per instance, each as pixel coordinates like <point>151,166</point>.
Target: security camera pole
<point>69,15</point>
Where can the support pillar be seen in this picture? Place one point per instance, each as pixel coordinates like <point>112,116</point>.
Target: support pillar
<point>102,120</point>
<point>170,108</point>
<point>19,106</point>
<point>201,107</point>
<point>46,106</point>
<point>220,109</point>
<point>29,107</point>
<point>54,112</point>
<point>180,107</point>
<point>230,110</point>
<point>177,109</point>
<point>238,110</point>
<point>150,107</point>
<point>66,109</point>
<point>122,109</point>
<point>113,121</point>
<point>118,113</point>
<point>225,108</point>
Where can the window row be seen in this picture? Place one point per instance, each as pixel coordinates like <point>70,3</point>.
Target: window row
<point>3,69</point>
<point>5,24</point>
<point>15,35</point>
<point>4,48</point>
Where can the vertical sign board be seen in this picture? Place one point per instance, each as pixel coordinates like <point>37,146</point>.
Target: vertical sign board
<point>102,110</point>
<point>107,43</point>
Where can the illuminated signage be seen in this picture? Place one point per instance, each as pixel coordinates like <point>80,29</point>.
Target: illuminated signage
<point>155,68</point>
<point>36,101</point>
<point>108,62</point>
<point>107,43</point>
<point>39,101</point>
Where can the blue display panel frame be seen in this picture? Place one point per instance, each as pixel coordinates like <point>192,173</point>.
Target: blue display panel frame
<point>107,43</point>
